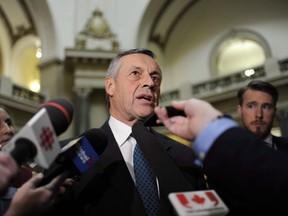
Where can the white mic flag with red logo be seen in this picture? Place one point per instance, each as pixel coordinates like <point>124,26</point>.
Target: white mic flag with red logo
<point>198,203</point>
<point>40,132</point>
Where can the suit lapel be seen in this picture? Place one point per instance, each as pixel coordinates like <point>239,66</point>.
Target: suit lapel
<point>111,171</point>
<point>280,142</point>
<point>118,174</point>
<point>169,175</point>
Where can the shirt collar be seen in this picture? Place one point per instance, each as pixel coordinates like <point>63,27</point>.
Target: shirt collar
<point>120,130</point>
<point>268,139</point>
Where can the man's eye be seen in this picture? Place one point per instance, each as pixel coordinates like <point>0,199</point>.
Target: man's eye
<point>135,73</point>
<point>267,106</point>
<point>251,106</point>
<point>9,122</point>
<point>156,79</point>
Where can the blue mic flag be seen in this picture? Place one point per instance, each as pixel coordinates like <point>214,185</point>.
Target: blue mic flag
<point>84,155</point>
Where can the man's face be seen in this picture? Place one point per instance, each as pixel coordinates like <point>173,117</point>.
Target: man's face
<point>6,127</point>
<point>257,112</point>
<point>135,91</point>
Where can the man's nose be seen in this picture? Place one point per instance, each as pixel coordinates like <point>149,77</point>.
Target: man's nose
<point>259,112</point>
<point>148,81</point>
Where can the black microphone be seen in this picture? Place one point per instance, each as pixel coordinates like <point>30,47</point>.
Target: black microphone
<point>78,155</point>
<point>171,111</point>
<point>37,139</point>
<point>60,113</point>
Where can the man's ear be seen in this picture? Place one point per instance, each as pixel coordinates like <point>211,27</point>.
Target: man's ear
<point>109,85</point>
<point>239,110</point>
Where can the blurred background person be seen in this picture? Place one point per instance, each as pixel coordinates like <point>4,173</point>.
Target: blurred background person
<point>6,127</point>
<point>8,169</point>
<point>7,131</point>
<point>23,173</point>
<point>257,109</point>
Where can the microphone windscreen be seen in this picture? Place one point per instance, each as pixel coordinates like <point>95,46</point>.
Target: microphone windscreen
<point>24,150</point>
<point>97,138</point>
<point>60,112</point>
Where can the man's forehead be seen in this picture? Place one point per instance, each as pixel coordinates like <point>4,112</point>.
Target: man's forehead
<point>255,95</point>
<point>138,64</point>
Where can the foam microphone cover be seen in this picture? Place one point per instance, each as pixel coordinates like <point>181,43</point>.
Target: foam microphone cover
<point>60,112</point>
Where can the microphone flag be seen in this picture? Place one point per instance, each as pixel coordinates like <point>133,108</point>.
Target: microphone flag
<point>198,203</point>
<point>83,155</point>
<point>39,130</point>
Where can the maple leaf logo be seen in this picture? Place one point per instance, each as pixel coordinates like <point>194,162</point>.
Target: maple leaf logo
<point>46,138</point>
<point>198,199</point>
<point>90,160</point>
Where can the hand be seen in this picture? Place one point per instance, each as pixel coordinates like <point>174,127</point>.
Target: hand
<point>68,182</point>
<point>32,200</point>
<point>199,114</point>
<point>8,169</point>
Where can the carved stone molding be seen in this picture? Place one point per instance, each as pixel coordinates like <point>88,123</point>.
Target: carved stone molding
<point>97,34</point>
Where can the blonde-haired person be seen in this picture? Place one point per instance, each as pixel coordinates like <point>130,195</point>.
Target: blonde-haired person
<point>7,129</point>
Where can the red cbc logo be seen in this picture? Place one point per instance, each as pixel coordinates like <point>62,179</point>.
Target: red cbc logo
<point>184,200</point>
<point>47,138</point>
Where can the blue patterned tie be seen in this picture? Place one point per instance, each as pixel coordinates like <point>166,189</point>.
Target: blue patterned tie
<point>146,183</point>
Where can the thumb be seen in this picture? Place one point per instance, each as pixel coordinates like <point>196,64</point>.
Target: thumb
<point>36,179</point>
<point>178,104</point>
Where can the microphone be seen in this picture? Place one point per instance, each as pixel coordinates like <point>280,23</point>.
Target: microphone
<point>37,139</point>
<point>60,112</point>
<point>171,111</point>
<point>196,203</point>
<point>78,155</point>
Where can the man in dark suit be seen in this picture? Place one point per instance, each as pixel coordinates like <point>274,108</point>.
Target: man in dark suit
<point>242,169</point>
<point>108,188</point>
<point>257,108</point>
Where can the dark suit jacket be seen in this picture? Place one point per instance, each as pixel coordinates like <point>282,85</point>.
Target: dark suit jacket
<point>251,178</point>
<point>108,189</point>
<point>281,143</point>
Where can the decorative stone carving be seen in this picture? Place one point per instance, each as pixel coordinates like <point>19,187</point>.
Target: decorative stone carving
<point>97,34</point>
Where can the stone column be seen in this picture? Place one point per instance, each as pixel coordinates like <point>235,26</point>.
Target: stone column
<point>82,110</point>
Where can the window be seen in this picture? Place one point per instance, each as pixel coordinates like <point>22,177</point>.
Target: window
<point>239,50</point>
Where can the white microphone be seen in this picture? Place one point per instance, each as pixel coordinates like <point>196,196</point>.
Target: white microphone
<point>198,203</point>
<point>37,139</point>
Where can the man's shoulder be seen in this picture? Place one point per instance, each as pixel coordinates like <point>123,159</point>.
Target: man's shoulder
<point>281,143</point>
<point>280,139</point>
<point>66,141</point>
<point>105,127</point>
<point>168,142</point>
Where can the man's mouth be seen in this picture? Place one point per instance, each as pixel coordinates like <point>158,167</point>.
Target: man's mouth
<point>148,98</point>
<point>258,123</point>
<point>5,140</point>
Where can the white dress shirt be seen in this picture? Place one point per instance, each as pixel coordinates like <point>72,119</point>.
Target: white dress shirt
<point>126,143</point>
<point>269,141</point>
